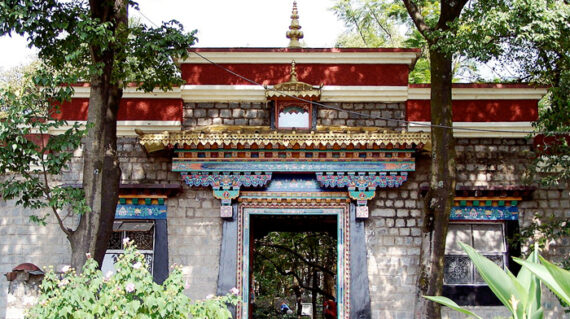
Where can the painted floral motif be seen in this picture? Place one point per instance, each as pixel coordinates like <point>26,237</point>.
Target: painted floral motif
<point>484,213</point>
<point>140,212</point>
<point>362,182</point>
<point>226,181</point>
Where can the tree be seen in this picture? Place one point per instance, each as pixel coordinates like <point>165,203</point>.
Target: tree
<point>295,263</point>
<point>386,23</point>
<point>533,39</point>
<point>92,40</point>
<point>437,29</point>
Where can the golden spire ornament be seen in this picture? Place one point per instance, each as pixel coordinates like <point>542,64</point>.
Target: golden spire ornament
<point>294,33</point>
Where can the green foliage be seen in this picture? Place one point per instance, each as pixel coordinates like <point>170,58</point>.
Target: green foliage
<point>65,34</point>
<point>29,156</point>
<point>128,293</point>
<point>370,23</point>
<point>83,41</point>
<point>521,295</point>
<point>542,230</point>
<point>533,38</point>
<point>287,266</point>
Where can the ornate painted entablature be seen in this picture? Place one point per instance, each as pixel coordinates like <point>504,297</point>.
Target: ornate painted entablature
<point>228,158</point>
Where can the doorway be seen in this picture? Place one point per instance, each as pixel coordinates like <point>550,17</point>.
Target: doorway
<point>266,280</point>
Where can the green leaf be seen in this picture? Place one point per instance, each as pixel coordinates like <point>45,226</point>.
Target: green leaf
<point>556,278</point>
<point>451,304</point>
<point>498,281</point>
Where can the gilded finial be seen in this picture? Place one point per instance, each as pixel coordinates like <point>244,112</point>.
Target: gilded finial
<point>294,33</point>
<point>293,72</point>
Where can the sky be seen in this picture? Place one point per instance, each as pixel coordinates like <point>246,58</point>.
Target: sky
<point>222,23</point>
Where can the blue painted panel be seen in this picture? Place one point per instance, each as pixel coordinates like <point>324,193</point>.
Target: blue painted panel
<point>140,212</point>
<point>268,166</point>
<point>484,213</point>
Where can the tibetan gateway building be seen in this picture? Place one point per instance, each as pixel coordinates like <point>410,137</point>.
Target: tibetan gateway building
<point>288,140</point>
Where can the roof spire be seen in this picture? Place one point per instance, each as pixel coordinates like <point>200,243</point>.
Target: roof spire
<point>294,32</point>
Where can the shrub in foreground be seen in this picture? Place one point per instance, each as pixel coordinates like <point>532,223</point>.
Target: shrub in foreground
<point>128,293</point>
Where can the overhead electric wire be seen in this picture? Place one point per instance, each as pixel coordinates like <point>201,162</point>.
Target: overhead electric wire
<point>362,115</point>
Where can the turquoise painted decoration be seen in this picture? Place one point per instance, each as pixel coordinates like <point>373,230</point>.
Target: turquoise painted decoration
<point>226,181</point>
<point>140,212</point>
<point>361,195</point>
<point>226,194</point>
<point>353,181</point>
<point>484,213</point>
<point>293,167</point>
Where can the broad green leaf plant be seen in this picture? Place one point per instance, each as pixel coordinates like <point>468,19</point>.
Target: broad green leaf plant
<point>521,295</point>
<point>29,155</point>
<point>127,293</point>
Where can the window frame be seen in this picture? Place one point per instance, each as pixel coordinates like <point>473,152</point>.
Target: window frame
<point>480,294</point>
<point>474,274</point>
<point>281,104</point>
<point>145,252</point>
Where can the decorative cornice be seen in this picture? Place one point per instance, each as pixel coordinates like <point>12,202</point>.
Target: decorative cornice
<point>223,93</point>
<point>482,93</point>
<point>304,56</point>
<point>131,92</point>
<point>481,129</point>
<point>262,136</point>
<point>330,93</point>
<point>334,93</point>
<point>293,198</point>
<point>128,128</point>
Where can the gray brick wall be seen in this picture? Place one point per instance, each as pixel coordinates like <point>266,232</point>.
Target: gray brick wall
<point>253,114</point>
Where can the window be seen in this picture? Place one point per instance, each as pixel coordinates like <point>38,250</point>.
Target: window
<point>487,239</point>
<point>293,115</point>
<point>141,232</point>
<point>462,281</point>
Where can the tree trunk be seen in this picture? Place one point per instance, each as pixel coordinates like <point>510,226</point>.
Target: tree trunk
<point>314,293</point>
<point>439,198</point>
<point>101,172</point>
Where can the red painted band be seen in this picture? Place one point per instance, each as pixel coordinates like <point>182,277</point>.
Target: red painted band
<point>131,109</point>
<point>478,110</point>
<point>315,74</point>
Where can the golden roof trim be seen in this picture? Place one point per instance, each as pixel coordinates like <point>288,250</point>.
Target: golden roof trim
<point>262,135</point>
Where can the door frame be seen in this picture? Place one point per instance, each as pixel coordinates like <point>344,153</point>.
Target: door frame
<point>342,212</point>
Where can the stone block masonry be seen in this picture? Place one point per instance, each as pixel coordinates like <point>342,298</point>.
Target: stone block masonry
<point>194,239</point>
<point>205,114</point>
<point>254,114</point>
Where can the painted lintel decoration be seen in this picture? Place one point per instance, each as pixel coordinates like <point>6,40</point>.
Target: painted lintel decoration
<point>353,160</point>
<point>363,182</point>
<point>217,138</point>
<point>484,213</point>
<point>293,167</point>
<point>140,211</point>
<point>226,186</point>
<point>225,181</point>
<point>485,208</point>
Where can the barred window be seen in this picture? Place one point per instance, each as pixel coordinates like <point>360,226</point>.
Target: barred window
<point>140,232</point>
<point>487,238</point>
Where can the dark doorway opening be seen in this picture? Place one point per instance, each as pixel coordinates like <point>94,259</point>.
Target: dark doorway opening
<point>294,261</point>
